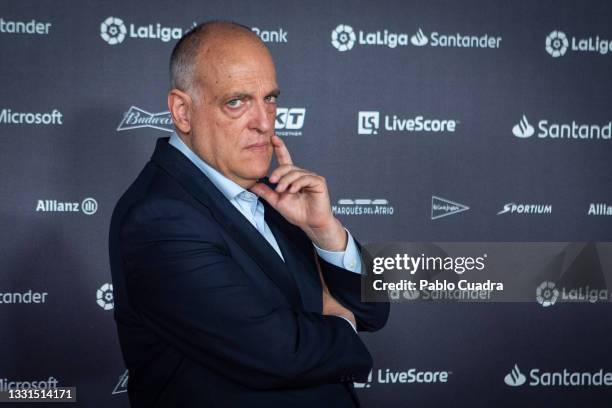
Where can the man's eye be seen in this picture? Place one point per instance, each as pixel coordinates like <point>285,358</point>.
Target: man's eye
<point>271,98</point>
<point>234,103</point>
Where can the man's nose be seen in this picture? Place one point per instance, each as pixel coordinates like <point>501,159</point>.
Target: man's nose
<point>262,117</point>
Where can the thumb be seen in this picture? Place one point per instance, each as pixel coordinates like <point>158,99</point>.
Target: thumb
<point>265,192</point>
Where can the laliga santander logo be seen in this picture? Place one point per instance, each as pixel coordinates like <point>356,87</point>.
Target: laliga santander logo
<point>112,30</point>
<point>556,43</point>
<point>419,39</point>
<point>343,37</point>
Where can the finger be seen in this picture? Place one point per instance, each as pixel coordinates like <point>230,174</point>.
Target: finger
<point>280,171</point>
<point>309,181</point>
<point>280,150</point>
<point>286,180</point>
<point>265,192</point>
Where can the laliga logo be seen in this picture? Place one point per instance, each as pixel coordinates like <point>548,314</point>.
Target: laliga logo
<point>104,296</point>
<point>523,129</point>
<point>515,378</point>
<point>556,44</point>
<point>343,37</point>
<point>112,30</point>
<point>419,39</point>
<point>547,293</point>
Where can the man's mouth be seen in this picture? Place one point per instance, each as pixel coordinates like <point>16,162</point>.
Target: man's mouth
<point>258,146</point>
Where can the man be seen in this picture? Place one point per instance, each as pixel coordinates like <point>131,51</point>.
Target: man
<point>223,299</point>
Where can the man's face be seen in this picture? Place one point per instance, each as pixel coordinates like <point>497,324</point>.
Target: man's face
<point>232,120</point>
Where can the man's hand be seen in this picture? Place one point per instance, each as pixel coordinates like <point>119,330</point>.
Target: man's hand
<point>302,198</point>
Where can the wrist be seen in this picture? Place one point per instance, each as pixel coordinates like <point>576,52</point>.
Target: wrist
<point>329,238</point>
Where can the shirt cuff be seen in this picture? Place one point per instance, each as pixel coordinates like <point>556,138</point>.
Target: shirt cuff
<point>349,259</point>
<point>349,322</point>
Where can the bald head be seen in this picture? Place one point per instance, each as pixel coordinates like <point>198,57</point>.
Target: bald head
<point>203,47</point>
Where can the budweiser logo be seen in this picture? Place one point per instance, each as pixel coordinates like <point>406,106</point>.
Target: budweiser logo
<point>136,118</point>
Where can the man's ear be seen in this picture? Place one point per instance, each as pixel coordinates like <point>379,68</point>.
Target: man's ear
<point>179,104</point>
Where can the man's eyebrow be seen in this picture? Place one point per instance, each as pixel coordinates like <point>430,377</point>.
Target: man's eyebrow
<point>236,95</point>
<point>242,95</point>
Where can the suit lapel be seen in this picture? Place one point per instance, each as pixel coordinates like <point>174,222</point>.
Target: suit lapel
<point>299,257</point>
<point>228,217</point>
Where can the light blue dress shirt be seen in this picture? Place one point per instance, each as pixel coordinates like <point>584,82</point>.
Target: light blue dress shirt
<point>253,210</point>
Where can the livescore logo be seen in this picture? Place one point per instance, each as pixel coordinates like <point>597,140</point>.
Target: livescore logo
<point>410,376</point>
<point>368,123</point>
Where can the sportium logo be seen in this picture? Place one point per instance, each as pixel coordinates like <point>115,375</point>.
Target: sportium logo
<point>368,123</point>
<point>136,118</point>
<point>344,38</point>
<point>442,207</point>
<point>88,206</point>
<point>530,209</point>
<point>410,376</point>
<point>289,121</point>
<point>554,131</point>
<point>558,44</point>
<point>363,206</point>
<point>113,30</point>
<point>456,40</point>
<point>560,378</point>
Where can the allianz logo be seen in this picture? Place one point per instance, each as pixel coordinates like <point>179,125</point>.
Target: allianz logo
<point>369,123</point>
<point>363,206</point>
<point>289,121</point>
<point>557,44</point>
<point>88,206</point>
<point>514,208</point>
<point>114,31</point>
<point>410,376</point>
<point>560,378</point>
<point>599,209</point>
<point>547,294</point>
<point>436,39</point>
<point>552,130</point>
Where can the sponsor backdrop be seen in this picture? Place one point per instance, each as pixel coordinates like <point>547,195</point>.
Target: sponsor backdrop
<point>431,120</point>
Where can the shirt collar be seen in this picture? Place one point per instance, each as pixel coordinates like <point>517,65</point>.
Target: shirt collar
<point>227,187</point>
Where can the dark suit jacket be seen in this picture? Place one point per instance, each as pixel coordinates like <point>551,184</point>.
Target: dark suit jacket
<point>209,315</point>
